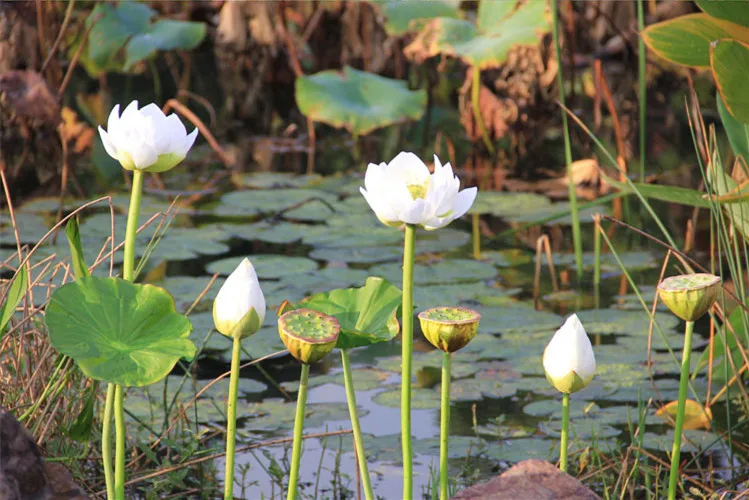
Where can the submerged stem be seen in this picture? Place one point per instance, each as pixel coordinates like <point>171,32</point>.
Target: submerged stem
<point>565,432</point>
<point>445,424</point>
<point>106,441</point>
<point>231,419</point>
<point>673,478</point>
<point>407,347</point>
<point>355,427</point>
<point>296,450</point>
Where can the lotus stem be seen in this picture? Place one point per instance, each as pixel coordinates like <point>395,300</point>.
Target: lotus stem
<point>673,479</point>
<point>296,451</point>
<point>355,427</point>
<point>445,423</point>
<point>119,464</point>
<point>231,416</point>
<point>476,236</point>
<point>407,348</point>
<point>642,69</point>
<point>565,431</point>
<point>475,87</point>
<point>132,226</point>
<point>106,442</point>
<point>576,236</point>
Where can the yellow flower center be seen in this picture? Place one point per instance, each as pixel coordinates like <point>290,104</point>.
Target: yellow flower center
<point>418,190</point>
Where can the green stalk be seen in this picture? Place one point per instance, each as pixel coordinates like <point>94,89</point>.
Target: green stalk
<point>407,341</point>
<point>231,416</point>
<point>565,431</point>
<point>576,236</point>
<point>119,411</point>
<point>132,225</point>
<point>355,427</point>
<point>476,236</point>
<point>475,87</point>
<point>673,479</point>
<point>119,464</point>
<point>444,423</point>
<point>296,451</point>
<point>642,68</point>
<point>106,441</point>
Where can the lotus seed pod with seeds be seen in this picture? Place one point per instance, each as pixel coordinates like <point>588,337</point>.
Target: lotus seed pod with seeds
<point>569,362</point>
<point>689,296</point>
<point>308,335</point>
<point>449,328</point>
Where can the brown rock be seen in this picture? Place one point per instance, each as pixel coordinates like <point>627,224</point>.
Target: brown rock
<point>530,479</point>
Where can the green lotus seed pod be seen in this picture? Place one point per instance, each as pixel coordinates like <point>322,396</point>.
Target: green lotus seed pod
<point>449,328</point>
<point>689,296</point>
<point>308,335</point>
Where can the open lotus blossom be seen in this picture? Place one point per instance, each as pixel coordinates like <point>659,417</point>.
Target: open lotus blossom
<point>239,308</point>
<point>404,191</point>
<point>568,360</point>
<point>146,139</point>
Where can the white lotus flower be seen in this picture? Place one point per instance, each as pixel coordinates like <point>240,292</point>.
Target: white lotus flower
<point>239,308</point>
<point>403,191</point>
<point>145,139</point>
<point>569,361</point>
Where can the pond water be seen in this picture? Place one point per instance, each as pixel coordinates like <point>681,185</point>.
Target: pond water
<point>307,234</point>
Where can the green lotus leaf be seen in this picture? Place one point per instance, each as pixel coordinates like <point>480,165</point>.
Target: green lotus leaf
<point>357,100</point>
<point>117,331</point>
<point>729,60</point>
<point>403,17</point>
<point>366,314</point>
<point>487,44</point>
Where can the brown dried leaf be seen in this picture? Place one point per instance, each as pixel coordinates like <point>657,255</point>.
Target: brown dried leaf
<point>28,96</point>
<point>73,130</point>
<point>497,114</point>
<point>232,26</point>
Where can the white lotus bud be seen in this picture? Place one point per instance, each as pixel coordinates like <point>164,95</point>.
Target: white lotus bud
<point>403,191</point>
<point>239,308</point>
<point>146,139</point>
<point>568,360</point>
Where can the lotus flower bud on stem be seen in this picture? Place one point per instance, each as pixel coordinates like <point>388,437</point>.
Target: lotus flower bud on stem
<point>569,362</point>
<point>689,296</point>
<point>449,328</point>
<point>239,308</point>
<point>308,335</point>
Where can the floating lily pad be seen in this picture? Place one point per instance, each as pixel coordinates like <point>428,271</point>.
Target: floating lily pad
<point>630,260</point>
<point>517,318</point>
<point>315,210</point>
<point>351,236</point>
<point>581,428</point>
<point>31,228</point>
<point>365,379</point>
<point>357,255</point>
<point>516,450</point>
<point>280,232</point>
<point>693,441</point>
<point>421,399</point>
<point>267,266</point>
<point>357,100</point>
<point>634,323</point>
<point>444,271</point>
<point>325,279</point>
<point>425,296</point>
<point>503,203</point>
<point>271,201</point>
<point>463,365</point>
<point>117,331</point>
<point>508,258</point>
<point>276,180</point>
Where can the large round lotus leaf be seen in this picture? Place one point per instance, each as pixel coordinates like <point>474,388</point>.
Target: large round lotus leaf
<point>403,17</point>
<point>630,260</point>
<point>443,271</point>
<point>504,204</point>
<point>634,323</point>
<point>357,100</point>
<point>270,201</point>
<point>366,315</point>
<point>266,266</point>
<point>275,180</point>
<point>117,331</point>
